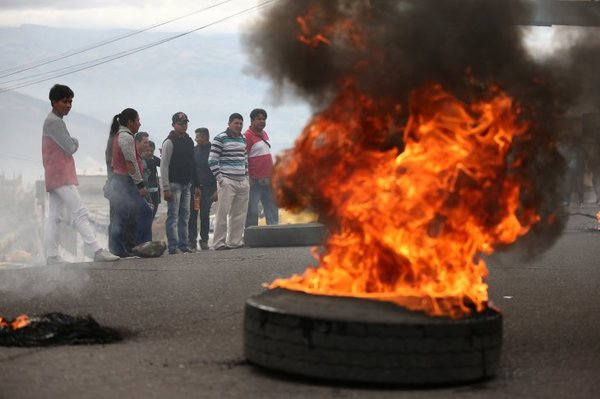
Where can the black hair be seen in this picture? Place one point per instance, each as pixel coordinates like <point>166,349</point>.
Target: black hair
<point>152,145</point>
<point>235,115</point>
<point>257,111</point>
<point>202,130</point>
<point>128,114</point>
<point>139,136</point>
<point>59,92</point>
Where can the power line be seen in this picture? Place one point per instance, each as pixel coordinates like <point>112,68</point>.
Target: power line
<point>49,60</point>
<point>20,158</point>
<point>99,61</point>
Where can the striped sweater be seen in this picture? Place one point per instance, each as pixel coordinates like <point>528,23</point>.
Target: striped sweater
<point>228,157</point>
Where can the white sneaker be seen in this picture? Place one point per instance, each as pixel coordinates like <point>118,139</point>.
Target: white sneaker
<point>103,255</point>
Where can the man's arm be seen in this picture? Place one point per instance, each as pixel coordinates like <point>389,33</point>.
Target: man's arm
<point>214,157</point>
<point>167,153</point>
<point>56,129</point>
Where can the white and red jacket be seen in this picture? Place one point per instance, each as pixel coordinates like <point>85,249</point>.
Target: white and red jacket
<point>260,161</point>
<point>58,148</point>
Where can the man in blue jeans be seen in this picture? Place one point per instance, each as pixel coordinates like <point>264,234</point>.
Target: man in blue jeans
<point>177,171</point>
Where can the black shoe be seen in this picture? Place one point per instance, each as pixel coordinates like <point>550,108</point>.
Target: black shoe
<point>204,245</point>
<point>174,251</point>
<point>222,248</point>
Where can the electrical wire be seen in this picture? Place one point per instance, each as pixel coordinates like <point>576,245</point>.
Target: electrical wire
<point>103,60</point>
<point>49,60</point>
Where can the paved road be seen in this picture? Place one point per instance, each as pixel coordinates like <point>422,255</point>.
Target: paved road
<point>184,315</point>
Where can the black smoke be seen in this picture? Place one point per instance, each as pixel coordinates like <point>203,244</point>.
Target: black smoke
<point>466,45</point>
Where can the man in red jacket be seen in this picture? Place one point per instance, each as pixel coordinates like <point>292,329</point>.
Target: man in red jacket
<point>260,169</point>
<point>58,148</point>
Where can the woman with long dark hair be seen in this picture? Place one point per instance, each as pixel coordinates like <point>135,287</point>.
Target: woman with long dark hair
<point>127,189</point>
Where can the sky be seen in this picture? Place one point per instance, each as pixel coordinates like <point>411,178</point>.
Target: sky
<point>286,118</point>
<point>221,15</point>
<point>108,14</point>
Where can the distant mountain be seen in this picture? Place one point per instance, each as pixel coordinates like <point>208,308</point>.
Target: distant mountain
<point>21,137</point>
<point>200,74</point>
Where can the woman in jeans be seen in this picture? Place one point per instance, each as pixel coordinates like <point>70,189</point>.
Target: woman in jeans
<point>127,189</point>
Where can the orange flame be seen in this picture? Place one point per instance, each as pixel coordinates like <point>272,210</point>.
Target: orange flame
<point>20,322</point>
<point>343,27</point>
<point>410,226</point>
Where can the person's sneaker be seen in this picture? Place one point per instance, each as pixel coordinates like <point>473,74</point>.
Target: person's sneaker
<point>222,248</point>
<point>203,245</point>
<point>55,260</point>
<point>236,246</point>
<point>187,250</point>
<point>174,251</point>
<point>103,255</point>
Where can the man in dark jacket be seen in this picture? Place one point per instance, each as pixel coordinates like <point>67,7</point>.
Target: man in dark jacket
<point>177,173</point>
<point>208,191</point>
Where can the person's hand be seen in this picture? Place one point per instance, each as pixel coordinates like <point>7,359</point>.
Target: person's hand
<point>167,195</point>
<point>143,192</point>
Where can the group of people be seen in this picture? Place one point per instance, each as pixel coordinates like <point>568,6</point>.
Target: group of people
<point>230,170</point>
<point>234,170</point>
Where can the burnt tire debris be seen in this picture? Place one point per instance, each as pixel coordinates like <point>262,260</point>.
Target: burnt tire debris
<point>285,235</point>
<point>365,341</point>
<point>58,329</point>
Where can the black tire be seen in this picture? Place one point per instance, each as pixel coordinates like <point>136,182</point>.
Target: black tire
<point>285,235</point>
<point>357,340</point>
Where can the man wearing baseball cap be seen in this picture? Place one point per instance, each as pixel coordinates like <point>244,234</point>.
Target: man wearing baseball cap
<point>177,171</point>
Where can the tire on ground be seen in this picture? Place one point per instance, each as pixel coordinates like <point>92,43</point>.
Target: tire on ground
<point>357,340</point>
<point>285,235</point>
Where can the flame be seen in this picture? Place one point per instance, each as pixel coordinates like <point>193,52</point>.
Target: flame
<point>408,226</point>
<point>342,27</point>
<point>20,322</point>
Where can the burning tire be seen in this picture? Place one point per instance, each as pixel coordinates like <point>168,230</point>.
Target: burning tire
<point>285,235</point>
<point>357,340</point>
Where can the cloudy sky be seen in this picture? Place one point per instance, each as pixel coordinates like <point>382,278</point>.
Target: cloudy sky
<point>132,14</point>
<point>216,83</point>
<point>96,97</point>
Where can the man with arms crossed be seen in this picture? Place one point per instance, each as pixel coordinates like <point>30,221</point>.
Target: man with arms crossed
<point>58,148</point>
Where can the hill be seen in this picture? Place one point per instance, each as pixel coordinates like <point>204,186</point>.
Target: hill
<point>21,137</point>
<point>201,74</point>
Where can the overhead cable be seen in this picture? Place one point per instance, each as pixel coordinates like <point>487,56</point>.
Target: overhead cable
<point>103,60</point>
<point>49,60</point>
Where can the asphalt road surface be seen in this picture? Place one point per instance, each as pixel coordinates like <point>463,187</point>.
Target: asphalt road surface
<point>182,316</point>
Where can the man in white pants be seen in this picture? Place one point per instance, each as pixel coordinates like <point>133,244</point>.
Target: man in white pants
<point>229,164</point>
<point>58,148</point>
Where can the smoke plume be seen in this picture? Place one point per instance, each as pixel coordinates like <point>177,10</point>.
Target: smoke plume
<point>391,47</point>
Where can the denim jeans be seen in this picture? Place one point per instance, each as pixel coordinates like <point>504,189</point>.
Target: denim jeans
<point>126,207</point>
<point>178,214</point>
<point>261,192</point>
